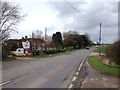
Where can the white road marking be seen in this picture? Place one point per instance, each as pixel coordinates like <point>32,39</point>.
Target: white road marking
<point>70,86</point>
<point>74,78</point>
<point>77,73</point>
<point>80,67</point>
<point>81,64</point>
<point>4,83</point>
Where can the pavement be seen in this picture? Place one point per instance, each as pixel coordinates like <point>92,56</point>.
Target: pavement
<point>49,72</point>
<point>95,79</point>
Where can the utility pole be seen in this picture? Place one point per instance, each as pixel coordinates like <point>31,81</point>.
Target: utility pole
<point>45,36</point>
<point>100,41</point>
<point>32,47</point>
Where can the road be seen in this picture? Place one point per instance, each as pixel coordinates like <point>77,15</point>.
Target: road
<point>49,72</point>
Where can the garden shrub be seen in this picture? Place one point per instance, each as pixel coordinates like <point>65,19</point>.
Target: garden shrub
<point>47,52</point>
<point>35,52</point>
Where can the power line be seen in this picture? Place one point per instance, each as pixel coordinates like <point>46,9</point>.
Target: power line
<point>80,12</point>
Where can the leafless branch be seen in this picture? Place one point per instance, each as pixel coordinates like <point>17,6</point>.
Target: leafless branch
<point>11,16</point>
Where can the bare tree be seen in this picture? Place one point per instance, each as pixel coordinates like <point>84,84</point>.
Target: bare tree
<point>49,43</point>
<point>38,34</point>
<point>9,18</point>
<point>66,34</point>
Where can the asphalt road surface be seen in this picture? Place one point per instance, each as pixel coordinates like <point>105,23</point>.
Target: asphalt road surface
<point>49,72</point>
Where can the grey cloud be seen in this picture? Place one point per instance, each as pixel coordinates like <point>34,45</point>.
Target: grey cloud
<point>64,9</point>
<point>106,13</point>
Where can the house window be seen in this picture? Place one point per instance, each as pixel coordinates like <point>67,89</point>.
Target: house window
<point>19,50</point>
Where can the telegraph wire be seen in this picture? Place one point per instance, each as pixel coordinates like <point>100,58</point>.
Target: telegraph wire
<point>80,12</point>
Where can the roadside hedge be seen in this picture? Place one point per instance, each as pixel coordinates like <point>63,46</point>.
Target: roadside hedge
<point>113,52</point>
<point>47,52</point>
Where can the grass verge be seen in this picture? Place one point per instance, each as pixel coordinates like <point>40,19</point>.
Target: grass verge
<point>8,59</point>
<point>97,64</point>
<point>102,49</point>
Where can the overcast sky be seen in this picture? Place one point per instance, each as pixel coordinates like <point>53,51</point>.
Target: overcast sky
<point>59,16</point>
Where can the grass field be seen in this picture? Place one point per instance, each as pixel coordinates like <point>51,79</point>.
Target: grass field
<point>97,64</point>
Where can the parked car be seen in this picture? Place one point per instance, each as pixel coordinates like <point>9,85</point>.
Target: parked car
<point>28,54</point>
<point>87,47</point>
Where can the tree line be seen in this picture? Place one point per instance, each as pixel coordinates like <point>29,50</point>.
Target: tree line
<point>70,39</point>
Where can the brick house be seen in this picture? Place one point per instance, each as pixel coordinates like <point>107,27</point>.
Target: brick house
<point>35,43</point>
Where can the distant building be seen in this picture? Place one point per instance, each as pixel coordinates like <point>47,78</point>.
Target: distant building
<point>29,44</point>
